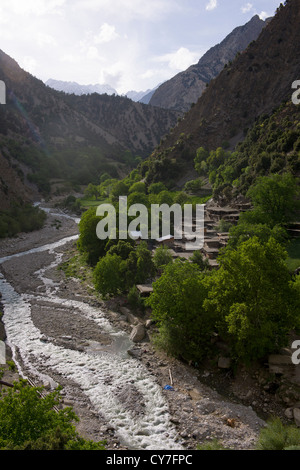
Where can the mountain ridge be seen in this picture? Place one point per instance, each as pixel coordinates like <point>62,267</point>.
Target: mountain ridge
<point>45,132</point>
<point>78,89</point>
<point>185,88</point>
<point>258,81</point>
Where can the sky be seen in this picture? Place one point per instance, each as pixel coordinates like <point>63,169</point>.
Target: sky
<point>127,44</point>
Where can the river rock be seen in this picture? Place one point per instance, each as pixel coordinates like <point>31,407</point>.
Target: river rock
<point>296,412</point>
<point>2,332</point>
<point>224,362</point>
<point>289,413</point>
<point>138,333</point>
<point>136,353</point>
<point>124,310</point>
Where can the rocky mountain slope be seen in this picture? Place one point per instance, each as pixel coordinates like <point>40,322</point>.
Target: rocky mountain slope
<point>142,96</point>
<point>49,133</point>
<point>186,87</point>
<point>258,81</point>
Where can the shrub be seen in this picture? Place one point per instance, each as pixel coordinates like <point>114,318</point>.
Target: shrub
<point>184,328</point>
<point>277,436</point>
<point>134,298</point>
<point>88,241</point>
<point>108,274</point>
<point>28,421</point>
<point>162,257</point>
<point>23,218</point>
<point>256,308</point>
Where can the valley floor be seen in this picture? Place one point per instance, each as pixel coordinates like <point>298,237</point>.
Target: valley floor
<point>205,403</point>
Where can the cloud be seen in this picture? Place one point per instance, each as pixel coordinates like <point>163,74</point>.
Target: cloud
<point>4,17</point>
<point>92,53</point>
<point>70,58</point>
<point>112,74</point>
<point>249,7</point>
<point>127,11</point>
<point>29,64</point>
<point>246,8</point>
<point>107,34</point>
<point>263,15</point>
<point>149,73</point>
<point>179,60</point>
<point>34,7</point>
<point>45,40</point>
<point>211,5</point>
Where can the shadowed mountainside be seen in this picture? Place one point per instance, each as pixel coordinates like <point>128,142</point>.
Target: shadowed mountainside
<point>257,82</point>
<point>186,87</point>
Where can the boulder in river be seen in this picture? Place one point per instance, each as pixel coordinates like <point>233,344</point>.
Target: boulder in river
<point>138,333</point>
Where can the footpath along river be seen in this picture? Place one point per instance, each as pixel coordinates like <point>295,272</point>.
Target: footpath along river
<point>59,335</point>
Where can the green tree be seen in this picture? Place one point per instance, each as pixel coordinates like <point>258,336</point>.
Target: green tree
<point>198,259</point>
<point>134,298</point>
<point>194,185</point>
<point>118,189</point>
<point>165,197</point>
<point>255,299</point>
<point>156,188</point>
<point>137,198</point>
<point>244,230</point>
<point>162,257</point>
<point>106,186</point>
<point>123,248</point>
<point>279,436</point>
<point>88,241</point>
<point>92,191</point>
<point>184,328</point>
<point>201,157</point>
<point>275,198</point>
<point>135,176</point>
<point>28,421</point>
<point>109,274</point>
<point>138,187</point>
<point>145,268</point>
<point>181,198</point>
<point>217,158</point>
<point>131,269</point>
<point>104,177</point>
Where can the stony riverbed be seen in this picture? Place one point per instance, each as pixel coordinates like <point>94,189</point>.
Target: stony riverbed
<point>192,413</point>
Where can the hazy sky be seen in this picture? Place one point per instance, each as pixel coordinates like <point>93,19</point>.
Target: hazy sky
<point>128,44</point>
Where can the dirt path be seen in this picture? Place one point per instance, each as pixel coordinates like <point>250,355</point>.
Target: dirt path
<point>198,413</point>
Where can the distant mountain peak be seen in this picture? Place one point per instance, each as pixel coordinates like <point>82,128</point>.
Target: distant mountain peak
<point>77,89</point>
<point>142,96</point>
<point>185,88</point>
<point>255,84</point>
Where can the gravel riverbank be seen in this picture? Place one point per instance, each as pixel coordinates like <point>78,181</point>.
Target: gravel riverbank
<point>198,412</point>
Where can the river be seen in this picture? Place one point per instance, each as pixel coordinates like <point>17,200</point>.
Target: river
<point>105,373</point>
<point>59,333</point>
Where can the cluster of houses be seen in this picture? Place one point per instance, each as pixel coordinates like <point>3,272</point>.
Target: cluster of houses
<point>213,241</point>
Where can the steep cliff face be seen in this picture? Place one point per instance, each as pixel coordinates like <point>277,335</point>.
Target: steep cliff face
<point>186,87</point>
<point>258,81</point>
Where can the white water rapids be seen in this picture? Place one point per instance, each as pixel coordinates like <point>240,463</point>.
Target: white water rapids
<point>100,374</point>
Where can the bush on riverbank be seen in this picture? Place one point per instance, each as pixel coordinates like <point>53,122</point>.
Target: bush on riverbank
<point>23,218</point>
<point>277,436</point>
<point>31,422</point>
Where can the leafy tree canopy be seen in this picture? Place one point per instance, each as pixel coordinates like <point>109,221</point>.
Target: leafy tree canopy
<point>88,241</point>
<point>275,198</point>
<point>177,307</point>
<point>255,299</point>
<point>28,421</point>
